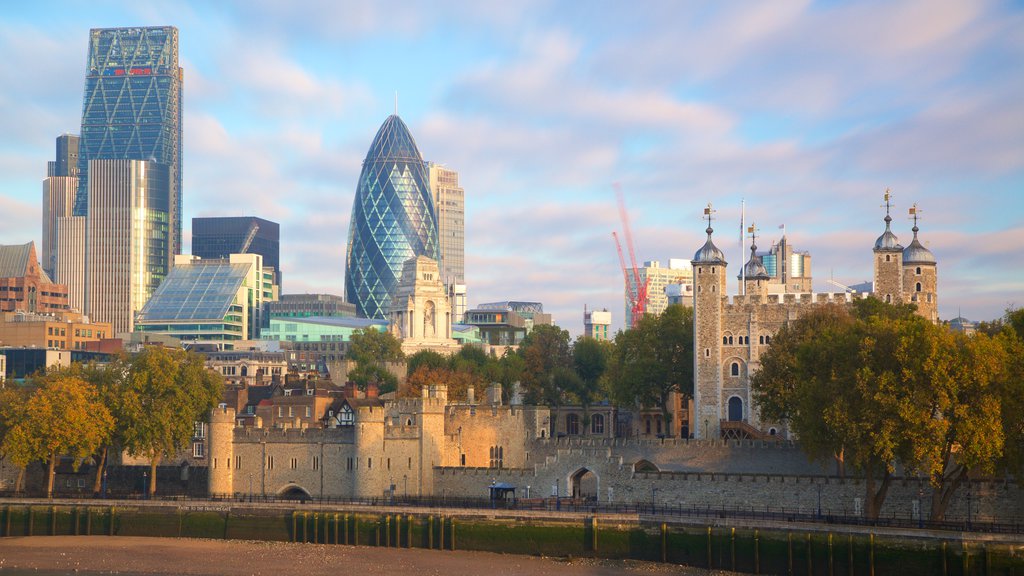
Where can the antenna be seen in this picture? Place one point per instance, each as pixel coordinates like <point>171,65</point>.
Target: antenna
<point>396,102</point>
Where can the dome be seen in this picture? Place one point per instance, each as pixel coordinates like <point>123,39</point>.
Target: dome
<point>392,219</point>
<point>916,253</point>
<point>887,241</point>
<point>709,253</point>
<point>754,269</point>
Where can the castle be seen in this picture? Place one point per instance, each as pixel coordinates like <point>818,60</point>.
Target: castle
<point>730,334</point>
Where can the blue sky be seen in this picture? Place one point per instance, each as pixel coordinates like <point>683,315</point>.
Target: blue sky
<point>807,111</point>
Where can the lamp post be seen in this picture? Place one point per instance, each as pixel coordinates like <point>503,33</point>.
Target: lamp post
<point>819,501</point>
<point>250,487</point>
<point>104,487</point>
<point>920,507</point>
<point>145,485</point>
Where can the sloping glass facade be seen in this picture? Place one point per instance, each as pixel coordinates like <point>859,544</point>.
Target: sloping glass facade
<point>132,107</point>
<point>393,219</point>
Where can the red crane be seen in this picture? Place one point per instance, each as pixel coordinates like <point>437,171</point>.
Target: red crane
<point>636,292</point>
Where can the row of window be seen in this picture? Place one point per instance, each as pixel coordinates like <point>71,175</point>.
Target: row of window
<point>572,424</point>
<point>743,340</point>
<point>291,411</point>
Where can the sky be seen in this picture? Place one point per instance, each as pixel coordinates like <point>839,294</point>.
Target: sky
<point>806,112</point>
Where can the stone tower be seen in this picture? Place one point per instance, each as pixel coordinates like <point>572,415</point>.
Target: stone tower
<point>708,298</point>
<point>888,276</point>
<point>222,451</point>
<point>431,449</point>
<point>369,464</point>
<point>755,276</point>
<point>920,276</point>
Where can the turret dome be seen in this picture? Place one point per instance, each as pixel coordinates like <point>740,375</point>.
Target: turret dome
<point>709,253</point>
<point>916,253</point>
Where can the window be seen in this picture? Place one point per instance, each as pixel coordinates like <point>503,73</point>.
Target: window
<point>410,462</point>
<point>462,460</point>
<point>760,339</point>
<point>198,450</point>
<point>369,463</point>
<point>316,462</point>
<point>200,430</point>
<point>735,369</point>
<point>238,462</point>
<point>725,340</point>
<point>597,424</point>
<point>309,411</point>
<point>295,463</point>
<point>389,463</point>
<point>291,411</point>
<point>917,270</point>
<point>887,257</point>
<point>657,422</point>
<point>350,463</point>
<point>572,424</point>
<point>280,411</point>
<point>497,454</point>
<point>888,299</point>
<point>918,287</point>
<point>270,462</point>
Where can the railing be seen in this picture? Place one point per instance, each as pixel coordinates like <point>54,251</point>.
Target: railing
<point>645,511</point>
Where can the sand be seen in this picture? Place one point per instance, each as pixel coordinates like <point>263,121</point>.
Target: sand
<point>136,555</point>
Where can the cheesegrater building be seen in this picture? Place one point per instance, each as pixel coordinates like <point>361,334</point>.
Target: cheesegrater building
<point>132,108</point>
<point>393,219</point>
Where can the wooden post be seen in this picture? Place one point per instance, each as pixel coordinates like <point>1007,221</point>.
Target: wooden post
<point>335,528</point>
<point>593,530</point>
<point>7,520</point>
<point>810,559</point>
<point>88,521</point>
<point>31,521</point>
<point>849,552</point>
<point>75,520</point>
<point>664,542</point>
<point>452,535</point>
<point>945,568</point>
<point>112,516</point>
<point>53,520</point>
<point>355,530</point>
<point>789,538</point>
<point>387,531</point>
<point>871,554</point>
<point>430,532</point>
<point>408,528</point>
<point>316,527</point>
<point>967,558</point>
<point>345,540</point>
<point>710,562</point>
<point>732,547</point>
<point>757,552</point>
<point>831,564</point>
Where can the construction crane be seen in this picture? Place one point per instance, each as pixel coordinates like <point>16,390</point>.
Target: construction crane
<point>636,292</point>
<point>254,227</point>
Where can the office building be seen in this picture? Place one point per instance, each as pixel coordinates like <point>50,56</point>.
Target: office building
<point>309,305</point>
<point>393,219</point>
<point>25,286</point>
<point>450,207</point>
<point>132,109</point>
<point>658,278</point>
<point>222,236</point>
<point>70,259</point>
<point>58,331</point>
<point>596,323</point>
<point>216,302</point>
<point>59,189</point>
<point>789,271</point>
<point>128,238</point>
<point>506,323</point>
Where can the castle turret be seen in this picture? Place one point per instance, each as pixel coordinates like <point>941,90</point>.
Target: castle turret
<point>222,451</point>
<point>431,454</point>
<point>888,285</point>
<point>709,275</point>
<point>920,276</point>
<point>755,277</point>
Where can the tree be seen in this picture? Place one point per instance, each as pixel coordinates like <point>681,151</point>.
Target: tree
<point>427,358</point>
<point>372,350</point>
<point>62,417</point>
<point>12,413</point>
<point>543,350</point>
<point>457,381</point>
<point>590,361</point>
<point>654,359</point>
<point>166,391</point>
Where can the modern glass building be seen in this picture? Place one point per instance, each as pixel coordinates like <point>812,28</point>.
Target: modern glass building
<point>222,236</point>
<point>132,107</point>
<point>217,301</point>
<point>393,219</point>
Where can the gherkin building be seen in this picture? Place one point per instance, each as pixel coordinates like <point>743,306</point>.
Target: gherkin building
<point>393,219</point>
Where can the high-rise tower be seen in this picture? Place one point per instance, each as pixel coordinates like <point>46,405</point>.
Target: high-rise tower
<point>132,108</point>
<point>450,204</point>
<point>393,219</point>
<point>59,190</point>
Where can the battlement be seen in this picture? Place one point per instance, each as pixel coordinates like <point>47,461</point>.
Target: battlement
<point>492,473</point>
<point>402,432</point>
<point>805,298</point>
<point>582,442</point>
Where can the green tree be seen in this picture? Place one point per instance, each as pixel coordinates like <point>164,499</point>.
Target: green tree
<point>457,381</point>
<point>62,417</point>
<point>654,359</point>
<point>13,400</point>
<point>543,350</point>
<point>427,358</point>
<point>372,350</point>
<point>165,392</point>
<point>589,361</point>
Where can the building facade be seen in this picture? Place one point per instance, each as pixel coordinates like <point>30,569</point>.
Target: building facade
<point>503,324</point>
<point>596,323</point>
<point>789,271</point>
<point>132,109</point>
<point>70,258</point>
<point>128,238</point>
<point>25,286</point>
<point>59,190</point>
<point>309,306</point>
<point>60,331</point>
<point>450,207</point>
<point>222,236</point>
<point>393,219</point>
<point>420,314</point>
<point>658,279</point>
<point>731,334</point>
<point>216,302</point>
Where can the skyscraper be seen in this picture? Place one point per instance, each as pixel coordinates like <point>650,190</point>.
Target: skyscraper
<point>59,190</point>
<point>132,108</point>
<point>393,219</point>
<point>450,206</point>
<point>220,237</point>
<point>128,235</point>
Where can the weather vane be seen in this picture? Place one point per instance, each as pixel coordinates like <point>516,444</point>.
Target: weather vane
<point>887,204</point>
<point>914,211</point>
<point>708,213</point>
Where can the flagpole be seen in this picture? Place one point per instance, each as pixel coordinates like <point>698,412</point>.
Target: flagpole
<point>743,225</point>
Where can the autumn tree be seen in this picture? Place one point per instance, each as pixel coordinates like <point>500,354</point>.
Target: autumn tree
<point>372,350</point>
<point>545,349</point>
<point>654,359</point>
<point>62,417</point>
<point>457,381</point>
<point>13,400</point>
<point>165,392</point>
<point>428,358</point>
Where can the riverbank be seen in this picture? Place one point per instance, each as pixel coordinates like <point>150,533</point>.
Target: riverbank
<point>198,557</point>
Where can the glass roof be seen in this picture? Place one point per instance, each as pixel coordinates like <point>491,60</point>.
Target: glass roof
<point>198,291</point>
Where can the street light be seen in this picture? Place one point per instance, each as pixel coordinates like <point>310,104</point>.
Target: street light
<point>819,501</point>
<point>145,485</point>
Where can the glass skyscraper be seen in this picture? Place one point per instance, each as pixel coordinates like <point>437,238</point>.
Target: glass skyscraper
<point>132,107</point>
<point>393,219</point>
